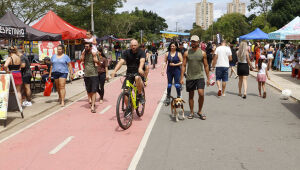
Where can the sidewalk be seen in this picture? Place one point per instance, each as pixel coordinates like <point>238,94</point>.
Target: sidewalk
<point>282,81</point>
<point>41,104</point>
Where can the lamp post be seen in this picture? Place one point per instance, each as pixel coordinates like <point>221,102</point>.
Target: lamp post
<point>92,16</point>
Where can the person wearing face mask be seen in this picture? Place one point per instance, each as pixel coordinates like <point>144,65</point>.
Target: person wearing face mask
<point>60,67</point>
<point>173,61</point>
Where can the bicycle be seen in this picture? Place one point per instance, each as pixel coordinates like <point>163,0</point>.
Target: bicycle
<point>127,103</point>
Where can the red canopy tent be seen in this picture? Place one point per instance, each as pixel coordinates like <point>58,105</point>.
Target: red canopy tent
<point>54,24</point>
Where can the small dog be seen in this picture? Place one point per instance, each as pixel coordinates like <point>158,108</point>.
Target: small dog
<point>177,103</point>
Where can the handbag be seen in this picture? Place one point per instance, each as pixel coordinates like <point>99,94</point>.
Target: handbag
<point>48,87</point>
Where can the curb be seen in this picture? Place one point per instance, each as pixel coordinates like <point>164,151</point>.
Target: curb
<point>278,88</point>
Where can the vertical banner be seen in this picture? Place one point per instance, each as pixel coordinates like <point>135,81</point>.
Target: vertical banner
<point>47,48</point>
<point>4,93</point>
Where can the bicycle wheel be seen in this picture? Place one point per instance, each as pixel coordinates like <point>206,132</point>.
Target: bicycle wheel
<point>124,112</point>
<point>141,107</point>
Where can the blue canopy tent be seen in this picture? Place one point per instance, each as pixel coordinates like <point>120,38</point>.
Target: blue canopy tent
<point>257,34</point>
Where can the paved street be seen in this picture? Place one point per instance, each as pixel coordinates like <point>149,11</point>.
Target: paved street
<point>248,134</point>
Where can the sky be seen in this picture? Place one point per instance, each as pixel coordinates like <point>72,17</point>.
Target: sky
<point>181,11</point>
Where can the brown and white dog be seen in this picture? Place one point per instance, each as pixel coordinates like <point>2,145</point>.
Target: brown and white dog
<point>177,103</point>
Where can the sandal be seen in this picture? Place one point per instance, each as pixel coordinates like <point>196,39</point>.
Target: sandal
<point>93,110</point>
<point>191,116</point>
<point>265,95</point>
<point>202,116</point>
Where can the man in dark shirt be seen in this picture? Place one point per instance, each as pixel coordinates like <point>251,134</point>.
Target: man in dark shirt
<point>135,60</point>
<point>117,48</point>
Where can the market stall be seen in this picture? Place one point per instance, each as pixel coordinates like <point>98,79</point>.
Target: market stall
<point>288,32</point>
<point>257,34</point>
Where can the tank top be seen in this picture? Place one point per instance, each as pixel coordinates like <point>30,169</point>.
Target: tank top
<point>195,64</point>
<point>13,67</point>
<point>90,69</point>
<point>174,60</point>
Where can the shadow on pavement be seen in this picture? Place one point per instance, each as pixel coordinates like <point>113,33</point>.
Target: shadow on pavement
<point>9,120</point>
<point>232,93</point>
<point>293,107</point>
<point>288,77</point>
<point>212,93</point>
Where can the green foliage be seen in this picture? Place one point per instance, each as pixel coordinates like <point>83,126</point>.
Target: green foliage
<point>261,22</point>
<point>230,26</point>
<point>263,6</point>
<point>28,11</point>
<point>197,30</point>
<point>283,11</point>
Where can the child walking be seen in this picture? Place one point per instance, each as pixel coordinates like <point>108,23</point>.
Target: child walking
<point>262,75</point>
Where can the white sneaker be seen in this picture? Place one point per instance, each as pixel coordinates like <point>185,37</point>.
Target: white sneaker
<point>28,104</point>
<point>24,103</point>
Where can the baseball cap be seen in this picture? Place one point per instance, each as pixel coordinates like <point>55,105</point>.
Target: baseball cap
<point>195,38</point>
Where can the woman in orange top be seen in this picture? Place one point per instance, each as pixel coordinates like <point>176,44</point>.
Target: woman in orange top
<point>257,53</point>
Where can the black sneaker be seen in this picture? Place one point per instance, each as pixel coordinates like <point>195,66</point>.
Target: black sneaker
<point>167,101</point>
<point>141,99</point>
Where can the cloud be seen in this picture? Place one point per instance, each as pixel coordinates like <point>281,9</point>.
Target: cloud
<point>180,11</point>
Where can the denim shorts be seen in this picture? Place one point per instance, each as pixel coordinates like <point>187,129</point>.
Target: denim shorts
<point>57,75</point>
<point>222,74</point>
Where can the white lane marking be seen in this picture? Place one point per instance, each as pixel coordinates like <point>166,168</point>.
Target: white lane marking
<point>34,123</point>
<point>137,156</point>
<point>60,146</point>
<point>106,109</point>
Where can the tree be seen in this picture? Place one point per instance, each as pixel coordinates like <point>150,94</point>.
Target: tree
<point>78,12</point>
<point>259,22</point>
<point>283,11</point>
<point>197,30</point>
<point>263,5</point>
<point>230,26</point>
<point>28,11</point>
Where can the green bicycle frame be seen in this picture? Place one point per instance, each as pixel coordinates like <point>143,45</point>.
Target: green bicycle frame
<point>133,97</point>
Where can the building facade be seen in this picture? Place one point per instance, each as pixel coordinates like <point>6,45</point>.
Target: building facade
<point>204,14</point>
<point>236,7</point>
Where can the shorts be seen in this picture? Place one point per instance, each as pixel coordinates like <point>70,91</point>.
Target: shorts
<point>17,77</point>
<point>261,78</point>
<point>222,74</point>
<point>26,79</point>
<point>91,84</point>
<point>131,80</point>
<point>57,75</point>
<point>192,85</point>
<point>243,69</point>
<point>270,56</point>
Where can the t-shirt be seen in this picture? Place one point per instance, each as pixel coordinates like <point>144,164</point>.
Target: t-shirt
<point>263,69</point>
<point>25,71</point>
<point>103,65</point>
<point>223,53</point>
<point>133,60</point>
<point>60,64</point>
<point>90,70</point>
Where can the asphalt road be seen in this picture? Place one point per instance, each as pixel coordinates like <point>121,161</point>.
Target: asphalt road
<point>252,133</point>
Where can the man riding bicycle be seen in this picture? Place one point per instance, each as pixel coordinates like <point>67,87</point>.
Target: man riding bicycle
<point>135,60</point>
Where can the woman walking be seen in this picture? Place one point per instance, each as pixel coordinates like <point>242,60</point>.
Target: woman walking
<point>233,62</point>
<point>243,68</point>
<point>102,73</point>
<point>257,53</point>
<point>173,61</point>
<point>270,55</point>
<point>60,67</point>
<point>13,65</point>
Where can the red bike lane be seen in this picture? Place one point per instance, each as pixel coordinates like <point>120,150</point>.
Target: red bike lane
<point>75,138</point>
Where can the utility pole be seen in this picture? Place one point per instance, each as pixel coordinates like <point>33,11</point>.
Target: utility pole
<point>92,15</point>
<point>176,26</point>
